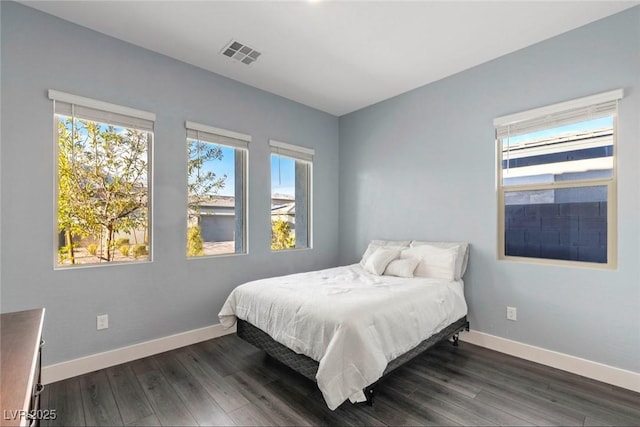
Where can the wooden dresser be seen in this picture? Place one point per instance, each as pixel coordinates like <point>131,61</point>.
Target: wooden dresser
<point>21,341</point>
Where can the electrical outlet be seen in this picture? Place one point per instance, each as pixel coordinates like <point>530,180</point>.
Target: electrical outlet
<point>512,314</point>
<point>102,321</point>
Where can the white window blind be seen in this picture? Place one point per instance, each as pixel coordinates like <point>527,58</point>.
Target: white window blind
<point>581,109</point>
<point>98,111</point>
<point>292,151</point>
<point>200,132</point>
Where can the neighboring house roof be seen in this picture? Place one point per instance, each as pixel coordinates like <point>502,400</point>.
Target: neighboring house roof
<point>284,209</point>
<point>218,201</point>
<point>281,199</point>
<point>229,202</point>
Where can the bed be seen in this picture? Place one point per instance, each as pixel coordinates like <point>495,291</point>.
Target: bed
<point>346,327</point>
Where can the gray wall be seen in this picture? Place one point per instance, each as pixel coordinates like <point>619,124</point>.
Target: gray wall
<point>171,294</point>
<point>422,166</point>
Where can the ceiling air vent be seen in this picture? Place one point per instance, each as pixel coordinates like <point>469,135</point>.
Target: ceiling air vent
<point>241,52</point>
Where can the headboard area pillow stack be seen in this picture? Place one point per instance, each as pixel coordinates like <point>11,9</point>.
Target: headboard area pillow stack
<point>376,244</point>
<point>462,258</point>
<point>414,258</point>
<point>435,262</point>
<point>379,259</point>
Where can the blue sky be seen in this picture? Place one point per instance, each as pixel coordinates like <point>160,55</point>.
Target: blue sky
<point>222,167</point>
<point>282,173</point>
<point>594,124</point>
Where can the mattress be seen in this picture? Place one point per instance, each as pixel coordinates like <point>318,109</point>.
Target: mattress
<point>352,322</point>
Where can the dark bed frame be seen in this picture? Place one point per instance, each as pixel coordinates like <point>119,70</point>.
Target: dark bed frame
<point>309,367</point>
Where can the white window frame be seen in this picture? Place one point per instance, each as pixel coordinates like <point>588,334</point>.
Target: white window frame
<point>306,155</point>
<point>230,139</point>
<point>72,105</point>
<point>599,105</point>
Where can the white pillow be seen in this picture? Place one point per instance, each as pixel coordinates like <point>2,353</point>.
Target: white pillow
<point>402,267</point>
<point>462,258</point>
<point>379,260</point>
<point>375,244</point>
<point>435,262</point>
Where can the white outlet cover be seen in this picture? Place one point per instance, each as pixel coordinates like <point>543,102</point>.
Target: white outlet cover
<point>102,322</point>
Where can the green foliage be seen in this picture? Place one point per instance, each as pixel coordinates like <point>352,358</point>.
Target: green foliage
<point>66,253</point>
<point>102,179</point>
<point>122,241</point>
<point>282,236</point>
<point>124,249</point>
<point>63,254</point>
<point>140,250</point>
<point>202,183</point>
<point>74,215</point>
<point>92,249</point>
<point>194,241</point>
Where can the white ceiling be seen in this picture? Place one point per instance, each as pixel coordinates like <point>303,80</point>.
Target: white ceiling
<point>336,56</point>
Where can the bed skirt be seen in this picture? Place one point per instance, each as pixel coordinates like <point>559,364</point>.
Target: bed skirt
<point>309,367</point>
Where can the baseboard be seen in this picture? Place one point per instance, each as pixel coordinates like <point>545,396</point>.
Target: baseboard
<point>586,368</point>
<point>94,362</point>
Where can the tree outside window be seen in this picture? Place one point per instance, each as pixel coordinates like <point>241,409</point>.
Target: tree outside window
<point>216,188</point>
<point>103,192</point>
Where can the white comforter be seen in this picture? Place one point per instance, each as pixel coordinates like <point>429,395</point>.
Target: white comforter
<point>352,322</point>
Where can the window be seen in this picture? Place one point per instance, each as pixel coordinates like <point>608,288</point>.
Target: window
<point>291,173</point>
<point>103,177</point>
<point>217,179</point>
<point>557,182</point>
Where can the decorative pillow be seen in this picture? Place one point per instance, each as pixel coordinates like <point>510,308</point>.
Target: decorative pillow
<point>379,260</point>
<point>402,267</point>
<point>435,262</point>
<point>375,244</point>
<point>461,260</point>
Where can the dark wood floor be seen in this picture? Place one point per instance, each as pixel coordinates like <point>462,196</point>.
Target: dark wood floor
<point>228,382</point>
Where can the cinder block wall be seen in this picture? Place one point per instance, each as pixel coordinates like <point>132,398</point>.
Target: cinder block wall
<point>570,231</point>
